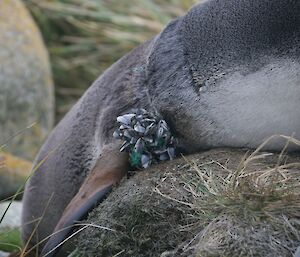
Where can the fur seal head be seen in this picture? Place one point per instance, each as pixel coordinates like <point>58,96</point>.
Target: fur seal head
<point>227,74</point>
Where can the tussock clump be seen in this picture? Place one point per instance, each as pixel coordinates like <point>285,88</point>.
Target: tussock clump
<point>226,236</point>
<point>143,223</point>
<point>225,203</point>
<point>253,210</point>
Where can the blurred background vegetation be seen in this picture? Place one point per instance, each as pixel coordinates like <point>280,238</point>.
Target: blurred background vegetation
<point>84,37</point>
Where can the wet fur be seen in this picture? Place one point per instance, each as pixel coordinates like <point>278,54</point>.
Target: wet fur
<point>168,73</point>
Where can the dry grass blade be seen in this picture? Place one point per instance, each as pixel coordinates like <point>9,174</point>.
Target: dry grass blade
<point>24,252</point>
<point>64,241</point>
<point>21,190</point>
<point>12,245</point>
<point>20,193</point>
<point>3,144</point>
<point>22,187</point>
<point>83,227</point>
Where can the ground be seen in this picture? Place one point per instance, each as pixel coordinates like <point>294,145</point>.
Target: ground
<point>217,203</point>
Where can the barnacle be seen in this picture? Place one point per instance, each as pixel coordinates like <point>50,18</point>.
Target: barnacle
<point>147,138</point>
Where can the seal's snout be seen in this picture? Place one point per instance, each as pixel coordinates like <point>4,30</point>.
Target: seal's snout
<point>111,166</point>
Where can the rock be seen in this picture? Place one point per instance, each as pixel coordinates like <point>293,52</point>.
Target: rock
<point>215,203</point>
<point>10,236</point>
<point>4,254</point>
<point>26,87</point>
<point>13,174</point>
<point>12,218</point>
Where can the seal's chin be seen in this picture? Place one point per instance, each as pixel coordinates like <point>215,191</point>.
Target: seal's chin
<point>247,108</point>
<point>111,166</point>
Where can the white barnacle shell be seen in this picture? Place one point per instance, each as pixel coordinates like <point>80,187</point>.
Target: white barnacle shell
<point>145,161</point>
<point>171,152</point>
<point>124,146</point>
<point>159,132</point>
<point>164,156</point>
<point>163,124</point>
<point>139,145</point>
<point>124,126</point>
<point>150,128</point>
<point>139,128</point>
<point>117,134</point>
<point>133,140</point>
<point>126,118</point>
<point>127,134</point>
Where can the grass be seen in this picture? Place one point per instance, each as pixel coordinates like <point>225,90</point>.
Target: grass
<point>84,37</point>
<point>10,240</point>
<point>220,203</point>
<point>245,212</point>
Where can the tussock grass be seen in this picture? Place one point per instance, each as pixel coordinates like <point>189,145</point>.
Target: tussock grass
<point>222,202</point>
<point>252,210</point>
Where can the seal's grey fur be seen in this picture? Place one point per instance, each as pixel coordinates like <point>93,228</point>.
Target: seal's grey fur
<point>225,74</point>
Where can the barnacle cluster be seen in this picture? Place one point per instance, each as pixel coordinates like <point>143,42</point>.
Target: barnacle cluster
<point>147,138</point>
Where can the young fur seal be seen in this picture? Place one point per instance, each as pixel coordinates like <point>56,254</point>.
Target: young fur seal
<point>227,74</point>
